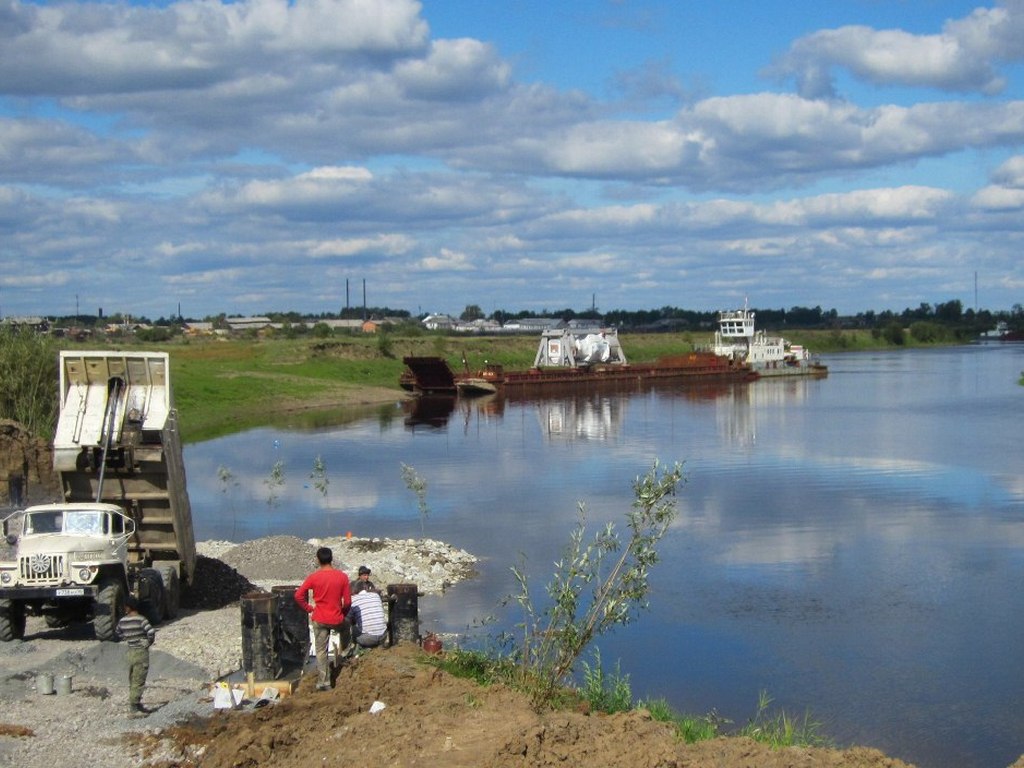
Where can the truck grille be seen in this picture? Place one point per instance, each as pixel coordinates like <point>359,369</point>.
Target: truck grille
<point>40,568</point>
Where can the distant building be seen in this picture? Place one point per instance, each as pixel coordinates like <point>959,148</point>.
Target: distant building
<point>584,325</point>
<point>38,324</point>
<point>439,322</point>
<point>478,326</point>
<point>533,324</point>
<point>248,323</point>
<point>341,325</point>
<point>201,329</point>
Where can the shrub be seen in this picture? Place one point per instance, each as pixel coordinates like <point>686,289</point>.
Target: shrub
<point>894,334</point>
<point>28,370</point>
<point>616,576</point>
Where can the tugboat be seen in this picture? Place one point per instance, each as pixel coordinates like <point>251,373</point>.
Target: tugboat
<point>738,341</point>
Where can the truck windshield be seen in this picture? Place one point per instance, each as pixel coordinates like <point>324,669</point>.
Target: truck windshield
<point>85,522</point>
<point>44,522</point>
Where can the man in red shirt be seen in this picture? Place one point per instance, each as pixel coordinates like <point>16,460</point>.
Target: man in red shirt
<point>331,599</point>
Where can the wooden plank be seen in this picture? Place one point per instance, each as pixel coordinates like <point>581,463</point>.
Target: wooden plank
<point>254,690</point>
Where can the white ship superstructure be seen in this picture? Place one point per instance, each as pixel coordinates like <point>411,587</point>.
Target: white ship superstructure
<point>738,339</point>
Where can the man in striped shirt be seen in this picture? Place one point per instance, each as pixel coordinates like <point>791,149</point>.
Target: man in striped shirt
<point>367,618</point>
<point>138,634</point>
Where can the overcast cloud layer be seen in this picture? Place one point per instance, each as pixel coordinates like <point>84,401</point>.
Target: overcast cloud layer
<point>253,156</point>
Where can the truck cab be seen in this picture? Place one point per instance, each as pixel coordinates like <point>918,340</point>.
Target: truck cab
<point>64,552</point>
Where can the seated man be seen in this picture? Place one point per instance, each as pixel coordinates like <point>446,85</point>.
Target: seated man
<point>367,619</point>
<point>363,581</point>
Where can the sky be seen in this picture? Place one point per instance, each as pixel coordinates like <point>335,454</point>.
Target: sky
<point>204,157</point>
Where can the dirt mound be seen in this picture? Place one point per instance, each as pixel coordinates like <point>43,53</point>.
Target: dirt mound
<point>215,585</point>
<point>432,718</point>
<point>287,559</point>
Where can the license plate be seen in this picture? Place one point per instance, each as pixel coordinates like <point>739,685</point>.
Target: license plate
<point>75,592</point>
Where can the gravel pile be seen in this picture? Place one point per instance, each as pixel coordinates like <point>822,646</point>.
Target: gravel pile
<point>201,645</point>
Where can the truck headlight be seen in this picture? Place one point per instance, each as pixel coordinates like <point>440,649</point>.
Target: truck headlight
<point>6,577</point>
<point>84,574</point>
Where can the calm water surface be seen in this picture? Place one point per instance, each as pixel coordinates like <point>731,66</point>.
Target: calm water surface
<point>853,546</point>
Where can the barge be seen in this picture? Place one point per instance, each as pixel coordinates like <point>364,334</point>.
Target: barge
<point>567,361</point>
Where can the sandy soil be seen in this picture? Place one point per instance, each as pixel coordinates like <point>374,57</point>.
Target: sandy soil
<point>431,718</point>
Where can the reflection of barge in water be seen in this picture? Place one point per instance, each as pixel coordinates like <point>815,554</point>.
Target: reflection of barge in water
<point>566,361</point>
<point>436,410</point>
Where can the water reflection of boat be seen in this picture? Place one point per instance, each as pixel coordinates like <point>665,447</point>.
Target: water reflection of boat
<point>737,340</point>
<point>566,361</point>
<point>429,411</point>
<point>593,415</point>
<point>593,418</point>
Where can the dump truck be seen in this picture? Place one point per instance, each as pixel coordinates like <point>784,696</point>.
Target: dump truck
<point>123,525</point>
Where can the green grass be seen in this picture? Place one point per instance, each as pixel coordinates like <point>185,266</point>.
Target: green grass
<point>610,693</point>
<point>778,729</point>
<point>688,728</point>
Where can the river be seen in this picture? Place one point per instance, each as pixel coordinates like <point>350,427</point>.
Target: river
<point>852,546</point>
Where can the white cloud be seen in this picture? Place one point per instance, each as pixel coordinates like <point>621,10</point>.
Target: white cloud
<point>1006,194</point>
<point>382,244</point>
<point>999,198</point>
<point>961,58</point>
<point>346,173</point>
<point>767,140</point>
<point>447,260</point>
<point>454,69</point>
<point>257,154</point>
<point>24,281</point>
<point>104,48</point>
<point>1011,173</point>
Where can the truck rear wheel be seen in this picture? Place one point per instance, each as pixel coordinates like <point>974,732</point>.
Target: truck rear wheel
<point>172,590</point>
<point>152,591</point>
<point>12,620</point>
<point>109,609</point>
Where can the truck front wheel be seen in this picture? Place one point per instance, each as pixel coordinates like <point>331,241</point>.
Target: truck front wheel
<point>109,609</point>
<point>12,620</point>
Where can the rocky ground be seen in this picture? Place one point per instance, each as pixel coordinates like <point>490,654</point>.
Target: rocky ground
<point>388,707</point>
<point>191,652</point>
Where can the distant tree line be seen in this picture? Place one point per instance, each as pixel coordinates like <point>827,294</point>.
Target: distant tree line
<point>943,321</point>
<point>927,322</point>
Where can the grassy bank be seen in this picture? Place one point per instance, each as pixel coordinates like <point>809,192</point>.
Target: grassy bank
<point>223,386</point>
